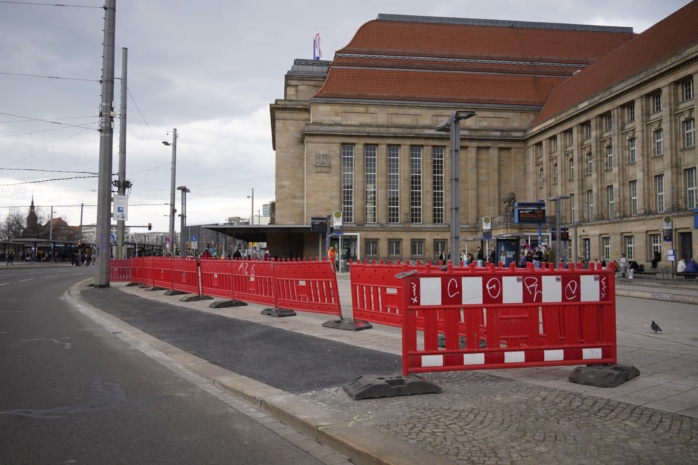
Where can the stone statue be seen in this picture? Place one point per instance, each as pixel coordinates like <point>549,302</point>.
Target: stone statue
<point>509,200</point>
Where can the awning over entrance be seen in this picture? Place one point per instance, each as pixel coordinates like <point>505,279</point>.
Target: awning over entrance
<point>257,232</point>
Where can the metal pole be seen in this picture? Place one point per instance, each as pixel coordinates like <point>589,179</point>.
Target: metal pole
<point>558,257</point>
<point>455,189</point>
<point>252,209</point>
<point>106,131</point>
<point>120,224</point>
<point>172,191</point>
<point>183,221</point>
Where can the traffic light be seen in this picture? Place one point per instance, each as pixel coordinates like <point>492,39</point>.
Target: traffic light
<point>150,226</point>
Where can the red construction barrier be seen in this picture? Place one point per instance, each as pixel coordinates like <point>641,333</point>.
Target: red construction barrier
<point>148,270</point>
<point>253,281</point>
<point>162,272</point>
<point>120,270</point>
<point>307,286</point>
<point>217,278</point>
<point>510,317</point>
<point>185,275</point>
<point>376,293</point>
<point>138,270</point>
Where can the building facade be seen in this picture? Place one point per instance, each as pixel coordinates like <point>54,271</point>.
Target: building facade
<point>599,116</point>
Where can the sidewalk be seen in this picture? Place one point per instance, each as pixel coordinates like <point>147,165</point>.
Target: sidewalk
<point>526,416</point>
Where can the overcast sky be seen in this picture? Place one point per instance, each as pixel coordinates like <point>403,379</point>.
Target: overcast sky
<point>209,68</point>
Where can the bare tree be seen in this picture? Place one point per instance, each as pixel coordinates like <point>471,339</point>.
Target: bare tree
<point>13,226</point>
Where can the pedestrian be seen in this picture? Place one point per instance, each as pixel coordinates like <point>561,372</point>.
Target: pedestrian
<point>537,257</point>
<point>331,256</point>
<point>493,256</point>
<point>480,257</point>
<point>623,265</point>
<point>237,255</point>
<point>11,258</point>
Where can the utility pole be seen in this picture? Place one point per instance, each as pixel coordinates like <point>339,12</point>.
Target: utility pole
<point>173,176</point>
<point>106,133</point>
<point>121,224</point>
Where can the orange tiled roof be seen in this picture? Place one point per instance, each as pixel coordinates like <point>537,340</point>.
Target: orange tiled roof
<point>421,60</point>
<point>399,85</point>
<point>665,38</point>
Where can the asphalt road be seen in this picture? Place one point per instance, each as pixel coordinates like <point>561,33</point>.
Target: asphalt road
<point>73,393</point>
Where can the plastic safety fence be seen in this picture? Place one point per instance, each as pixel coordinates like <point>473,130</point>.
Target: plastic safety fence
<point>138,270</point>
<point>162,272</point>
<point>508,317</point>
<point>120,270</point>
<point>307,286</point>
<point>253,281</point>
<point>217,278</point>
<point>376,292</point>
<point>148,270</point>
<point>185,275</point>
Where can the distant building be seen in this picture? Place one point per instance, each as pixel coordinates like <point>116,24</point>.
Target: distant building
<point>599,114</point>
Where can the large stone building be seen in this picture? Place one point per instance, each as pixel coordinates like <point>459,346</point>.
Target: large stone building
<point>597,114</point>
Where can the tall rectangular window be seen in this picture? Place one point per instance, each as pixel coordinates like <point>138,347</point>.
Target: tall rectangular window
<point>657,102</point>
<point>590,164</point>
<point>555,173</point>
<point>348,183</point>
<point>630,247</point>
<point>394,248</point>
<point>439,247</point>
<point>371,167</point>
<point>689,131</point>
<point>656,243</point>
<point>393,184</point>
<point>541,178</point>
<point>438,182</point>
<point>587,130</point>
<point>633,198</point>
<point>609,157</point>
<point>632,154</point>
<point>572,209</point>
<point>630,109</point>
<point>371,248</point>
<point>606,246</point>
<point>417,247</point>
<point>571,165</point>
<point>590,205</point>
<point>553,144</point>
<point>691,198</point>
<point>609,121</point>
<point>570,137</point>
<point>687,90</point>
<point>659,142</point>
<point>611,201</point>
<point>415,184</point>
<point>659,184</point>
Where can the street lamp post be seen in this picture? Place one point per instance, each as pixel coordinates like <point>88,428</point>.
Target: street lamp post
<point>183,216</point>
<point>557,199</point>
<point>452,126</point>
<point>252,210</point>
<point>172,187</point>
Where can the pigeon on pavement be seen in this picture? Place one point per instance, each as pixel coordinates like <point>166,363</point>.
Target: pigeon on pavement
<point>655,327</point>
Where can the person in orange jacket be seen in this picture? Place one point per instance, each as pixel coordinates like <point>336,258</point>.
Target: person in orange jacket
<point>331,256</point>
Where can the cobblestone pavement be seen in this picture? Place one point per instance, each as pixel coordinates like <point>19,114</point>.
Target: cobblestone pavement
<point>484,419</point>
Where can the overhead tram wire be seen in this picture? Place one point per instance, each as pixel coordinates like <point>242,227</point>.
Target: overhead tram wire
<point>50,4</point>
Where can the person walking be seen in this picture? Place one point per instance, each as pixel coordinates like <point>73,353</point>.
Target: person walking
<point>623,265</point>
<point>11,258</point>
<point>331,256</point>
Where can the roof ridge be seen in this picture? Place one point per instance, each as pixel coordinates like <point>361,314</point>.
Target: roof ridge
<point>502,23</point>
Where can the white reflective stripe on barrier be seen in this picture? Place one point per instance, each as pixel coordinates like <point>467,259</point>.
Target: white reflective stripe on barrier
<point>432,360</point>
<point>514,357</point>
<point>479,290</point>
<point>588,354</point>
<point>553,355</point>
<point>517,356</point>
